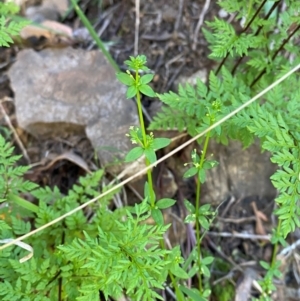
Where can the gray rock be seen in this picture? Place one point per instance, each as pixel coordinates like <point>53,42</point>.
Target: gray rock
<point>68,90</point>
<point>241,172</point>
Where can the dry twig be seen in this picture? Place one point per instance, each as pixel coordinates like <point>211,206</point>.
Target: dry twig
<point>137,27</point>
<point>200,22</point>
<point>7,120</point>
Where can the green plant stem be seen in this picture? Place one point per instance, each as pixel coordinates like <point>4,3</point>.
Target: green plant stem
<point>94,35</point>
<point>23,203</point>
<point>177,291</point>
<point>198,226</point>
<point>141,118</point>
<point>150,182</point>
<point>275,249</point>
<point>173,279</point>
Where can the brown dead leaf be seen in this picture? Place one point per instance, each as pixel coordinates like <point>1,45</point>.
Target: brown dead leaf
<point>58,28</point>
<point>259,228</point>
<point>51,33</point>
<point>243,290</point>
<point>261,216</point>
<point>70,156</point>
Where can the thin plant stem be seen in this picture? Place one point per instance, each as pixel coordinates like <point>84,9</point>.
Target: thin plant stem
<point>94,35</point>
<point>198,226</point>
<point>275,249</point>
<point>177,292</point>
<point>150,182</point>
<point>141,118</point>
<point>173,279</point>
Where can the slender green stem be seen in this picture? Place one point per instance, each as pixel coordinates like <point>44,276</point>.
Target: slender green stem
<point>141,118</point>
<point>198,226</point>
<point>177,291</point>
<point>23,203</point>
<point>275,249</point>
<point>94,35</point>
<point>150,182</point>
<point>198,230</point>
<point>173,279</point>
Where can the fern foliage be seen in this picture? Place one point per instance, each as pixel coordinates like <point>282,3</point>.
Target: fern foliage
<point>40,278</point>
<point>129,259</point>
<point>252,55</point>
<point>9,27</point>
<point>93,250</point>
<point>188,109</point>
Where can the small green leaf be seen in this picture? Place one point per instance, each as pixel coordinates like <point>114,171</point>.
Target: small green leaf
<point>165,203</point>
<point>145,79</point>
<point>192,272</point>
<point>190,172</point>
<point>189,206</point>
<point>265,265</point>
<point>150,155</point>
<point>159,143</point>
<point>206,293</point>
<point>147,90</point>
<point>203,222</point>
<point>203,210</point>
<point>134,154</point>
<point>201,175</point>
<point>218,130</point>
<point>205,271</point>
<point>125,78</point>
<point>131,92</point>
<point>208,164</point>
<point>179,272</point>
<point>149,193</point>
<point>4,225</point>
<point>22,202</point>
<point>193,294</point>
<point>157,216</point>
<point>191,218</point>
<point>207,260</point>
<point>277,273</point>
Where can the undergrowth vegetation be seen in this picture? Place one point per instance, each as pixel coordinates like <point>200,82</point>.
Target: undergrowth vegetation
<point>8,27</point>
<point>98,252</point>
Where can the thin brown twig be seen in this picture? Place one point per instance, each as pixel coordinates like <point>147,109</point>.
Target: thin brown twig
<point>231,201</point>
<point>286,251</point>
<point>7,120</point>
<point>222,254</point>
<point>137,27</point>
<point>240,235</point>
<point>180,8</point>
<point>237,220</point>
<point>200,22</point>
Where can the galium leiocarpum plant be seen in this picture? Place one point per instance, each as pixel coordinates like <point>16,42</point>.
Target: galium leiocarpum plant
<point>147,145</point>
<point>249,60</point>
